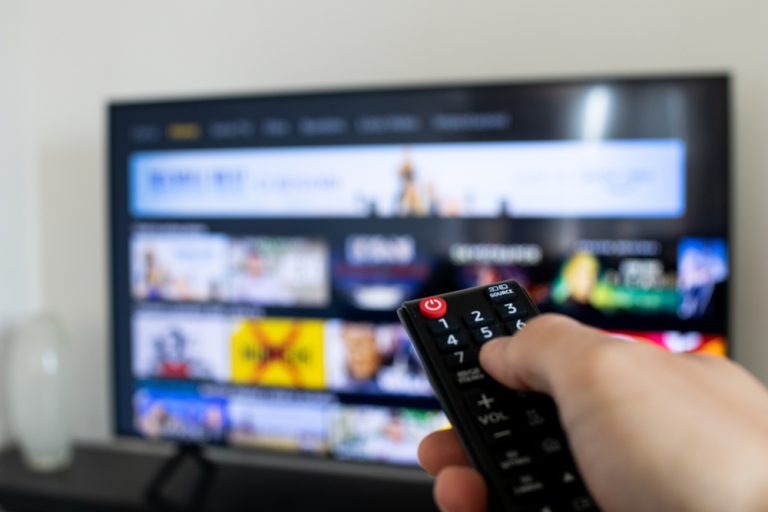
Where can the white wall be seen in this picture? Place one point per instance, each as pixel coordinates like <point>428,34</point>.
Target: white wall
<point>18,217</point>
<point>84,52</point>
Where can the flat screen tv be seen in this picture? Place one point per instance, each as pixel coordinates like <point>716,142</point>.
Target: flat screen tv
<point>261,244</point>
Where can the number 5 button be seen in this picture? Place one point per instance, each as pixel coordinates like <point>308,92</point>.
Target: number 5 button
<point>487,333</point>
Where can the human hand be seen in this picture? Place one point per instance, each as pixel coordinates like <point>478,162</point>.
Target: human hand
<point>650,430</point>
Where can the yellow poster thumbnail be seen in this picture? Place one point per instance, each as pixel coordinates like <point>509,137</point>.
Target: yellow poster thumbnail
<point>279,352</point>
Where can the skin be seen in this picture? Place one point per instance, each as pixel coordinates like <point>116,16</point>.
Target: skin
<point>650,430</point>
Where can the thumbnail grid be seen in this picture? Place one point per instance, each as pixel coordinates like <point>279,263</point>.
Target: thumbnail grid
<point>212,361</point>
<point>296,422</point>
<point>290,353</point>
<point>206,267</point>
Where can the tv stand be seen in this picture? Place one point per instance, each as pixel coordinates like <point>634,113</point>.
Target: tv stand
<point>103,478</point>
<point>156,494</point>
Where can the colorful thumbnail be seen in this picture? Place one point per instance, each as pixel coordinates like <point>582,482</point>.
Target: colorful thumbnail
<point>279,272</point>
<point>675,341</point>
<point>381,433</point>
<point>180,346</point>
<point>278,352</point>
<point>179,414</point>
<point>368,358</point>
<point>378,272</point>
<point>178,266</point>
<point>283,421</point>
<point>588,284</point>
<point>702,268</point>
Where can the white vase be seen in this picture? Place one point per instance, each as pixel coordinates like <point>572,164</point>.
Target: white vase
<point>38,394</point>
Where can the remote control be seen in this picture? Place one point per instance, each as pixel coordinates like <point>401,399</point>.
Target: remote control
<point>514,438</point>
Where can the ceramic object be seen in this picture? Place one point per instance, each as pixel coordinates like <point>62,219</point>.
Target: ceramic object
<point>38,394</point>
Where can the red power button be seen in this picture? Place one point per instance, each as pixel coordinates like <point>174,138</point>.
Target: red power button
<point>433,307</point>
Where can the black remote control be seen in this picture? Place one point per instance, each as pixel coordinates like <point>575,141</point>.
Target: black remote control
<point>513,438</point>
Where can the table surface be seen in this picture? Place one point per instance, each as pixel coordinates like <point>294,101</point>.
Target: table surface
<point>106,479</point>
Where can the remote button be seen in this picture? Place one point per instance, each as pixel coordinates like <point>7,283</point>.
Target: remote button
<point>452,342</point>
<point>514,459</point>
<point>534,417</point>
<point>461,359</point>
<point>501,292</point>
<point>568,477</point>
<point>443,325</point>
<point>433,307</point>
<point>553,446</point>
<point>526,483</point>
<point>487,333</point>
<point>478,317</point>
<point>540,508</point>
<point>537,411</point>
<point>582,503</point>
<point>515,326</point>
<point>481,401</point>
<point>469,376</point>
<point>510,310</point>
<point>491,414</point>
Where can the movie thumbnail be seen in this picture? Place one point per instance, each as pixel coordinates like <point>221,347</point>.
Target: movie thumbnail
<point>178,266</point>
<point>378,272</point>
<point>284,421</point>
<point>368,358</point>
<point>702,269</point>
<point>179,414</point>
<point>675,341</point>
<point>589,285</point>
<point>180,346</point>
<point>278,352</point>
<point>279,272</point>
<point>381,433</point>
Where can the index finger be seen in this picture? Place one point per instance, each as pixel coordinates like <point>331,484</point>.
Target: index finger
<point>538,356</point>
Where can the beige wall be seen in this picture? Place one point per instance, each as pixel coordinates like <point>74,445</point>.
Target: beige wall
<point>83,52</point>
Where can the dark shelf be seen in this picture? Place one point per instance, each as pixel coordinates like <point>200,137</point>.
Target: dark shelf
<point>106,479</point>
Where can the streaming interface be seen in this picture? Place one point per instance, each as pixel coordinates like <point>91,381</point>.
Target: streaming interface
<point>262,246</point>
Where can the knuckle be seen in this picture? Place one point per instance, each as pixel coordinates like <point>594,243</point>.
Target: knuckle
<point>550,325</point>
<point>603,365</point>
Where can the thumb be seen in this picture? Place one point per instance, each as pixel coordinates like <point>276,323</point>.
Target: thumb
<point>541,354</point>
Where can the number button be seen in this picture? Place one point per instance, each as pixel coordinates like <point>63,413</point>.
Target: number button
<point>478,317</point>
<point>443,325</point>
<point>487,333</point>
<point>461,359</point>
<point>516,325</point>
<point>510,310</point>
<point>452,342</point>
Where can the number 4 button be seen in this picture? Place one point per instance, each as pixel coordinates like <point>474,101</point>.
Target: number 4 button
<point>451,342</point>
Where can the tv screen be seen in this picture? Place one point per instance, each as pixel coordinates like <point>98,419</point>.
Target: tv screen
<point>260,245</point>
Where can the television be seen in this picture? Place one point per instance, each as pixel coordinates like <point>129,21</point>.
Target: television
<point>261,244</point>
